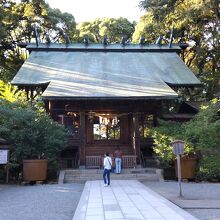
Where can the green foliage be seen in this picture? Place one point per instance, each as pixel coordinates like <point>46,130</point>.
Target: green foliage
<point>16,21</point>
<point>203,130</point>
<point>32,133</point>
<point>209,168</point>
<point>114,28</point>
<point>56,24</point>
<point>195,22</point>
<point>164,135</point>
<point>10,93</point>
<point>201,136</point>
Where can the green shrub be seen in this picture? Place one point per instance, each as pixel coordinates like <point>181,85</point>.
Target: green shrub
<point>209,168</point>
<point>31,132</point>
<point>167,132</point>
<point>201,136</point>
<point>203,130</point>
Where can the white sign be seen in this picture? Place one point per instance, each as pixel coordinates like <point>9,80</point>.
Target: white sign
<point>178,147</point>
<point>3,156</point>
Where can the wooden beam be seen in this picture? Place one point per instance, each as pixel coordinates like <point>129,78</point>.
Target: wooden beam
<point>136,136</point>
<point>82,149</point>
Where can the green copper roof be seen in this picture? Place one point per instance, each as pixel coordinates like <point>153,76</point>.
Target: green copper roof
<point>79,75</point>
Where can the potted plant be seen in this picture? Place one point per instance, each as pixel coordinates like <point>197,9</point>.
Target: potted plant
<point>36,138</point>
<point>163,150</point>
<point>188,163</point>
<point>35,169</point>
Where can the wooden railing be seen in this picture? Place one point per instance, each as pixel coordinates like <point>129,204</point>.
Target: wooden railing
<point>128,161</point>
<point>93,161</point>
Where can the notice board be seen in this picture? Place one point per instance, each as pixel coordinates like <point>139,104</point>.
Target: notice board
<point>4,156</point>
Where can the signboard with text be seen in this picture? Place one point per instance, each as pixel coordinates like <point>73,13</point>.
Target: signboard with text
<point>178,147</point>
<point>4,156</point>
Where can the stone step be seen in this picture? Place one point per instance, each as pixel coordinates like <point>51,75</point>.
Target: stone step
<point>119,177</point>
<point>112,175</point>
<point>83,175</point>
<point>99,171</point>
<point>152,176</point>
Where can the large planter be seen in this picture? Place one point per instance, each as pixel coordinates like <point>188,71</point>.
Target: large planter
<point>188,168</point>
<point>34,170</point>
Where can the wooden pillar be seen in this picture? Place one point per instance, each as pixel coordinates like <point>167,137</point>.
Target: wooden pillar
<point>27,92</point>
<point>32,95</point>
<point>50,107</point>
<point>136,137</point>
<point>46,105</point>
<point>82,150</point>
<point>157,113</point>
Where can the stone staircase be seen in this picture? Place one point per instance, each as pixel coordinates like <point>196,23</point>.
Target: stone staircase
<point>83,175</point>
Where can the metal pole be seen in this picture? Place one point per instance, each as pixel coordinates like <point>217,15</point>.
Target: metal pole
<point>7,165</point>
<point>7,175</point>
<point>179,175</point>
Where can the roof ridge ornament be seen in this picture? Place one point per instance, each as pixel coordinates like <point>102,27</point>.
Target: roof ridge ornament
<point>65,35</point>
<point>47,37</point>
<point>159,40</point>
<point>35,26</point>
<point>86,41</point>
<point>171,38</point>
<point>124,41</point>
<point>105,40</point>
<point>142,40</point>
<point>67,39</point>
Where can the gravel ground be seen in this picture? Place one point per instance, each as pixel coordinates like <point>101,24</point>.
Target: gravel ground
<point>191,191</point>
<point>39,202</point>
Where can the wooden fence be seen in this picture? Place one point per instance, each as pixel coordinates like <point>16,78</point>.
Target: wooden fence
<point>128,161</point>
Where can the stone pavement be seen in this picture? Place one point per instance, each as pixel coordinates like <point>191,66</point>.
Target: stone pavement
<point>125,200</point>
<point>201,200</point>
<point>197,204</point>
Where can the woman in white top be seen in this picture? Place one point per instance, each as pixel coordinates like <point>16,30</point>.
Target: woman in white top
<point>107,169</point>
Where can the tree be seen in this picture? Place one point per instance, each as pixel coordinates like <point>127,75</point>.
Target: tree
<point>114,28</point>
<point>16,26</point>
<point>10,93</point>
<point>203,130</point>
<point>58,25</point>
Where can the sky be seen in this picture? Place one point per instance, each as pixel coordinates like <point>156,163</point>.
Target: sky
<point>86,10</point>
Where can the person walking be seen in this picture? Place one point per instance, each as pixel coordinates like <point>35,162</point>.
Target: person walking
<point>107,169</point>
<point>118,156</point>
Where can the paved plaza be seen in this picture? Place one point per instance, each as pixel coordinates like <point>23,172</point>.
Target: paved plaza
<point>200,199</point>
<point>125,199</point>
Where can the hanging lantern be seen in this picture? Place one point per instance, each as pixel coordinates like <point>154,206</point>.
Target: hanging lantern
<point>105,121</point>
<point>100,120</point>
<point>109,122</point>
<point>114,121</point>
